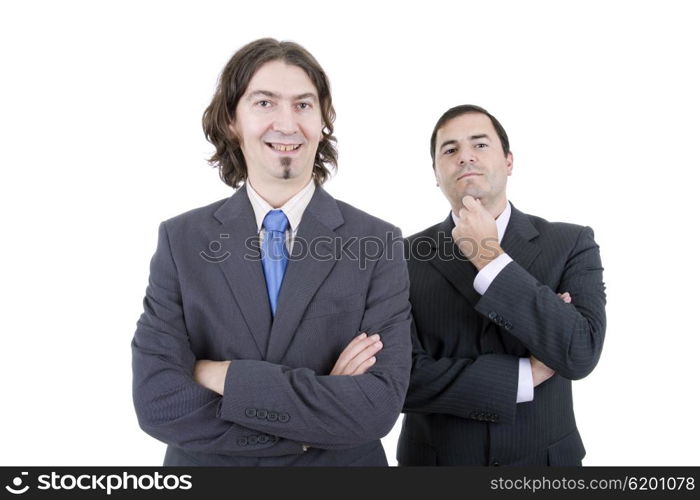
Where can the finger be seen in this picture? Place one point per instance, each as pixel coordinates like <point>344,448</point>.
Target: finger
<point>343,358</point>
<point>468,201</point>
<point>363,356</point>
<point>353,348</point>
<point>365,366</point>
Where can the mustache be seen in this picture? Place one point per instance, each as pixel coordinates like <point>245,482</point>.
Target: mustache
<point>280,138</point>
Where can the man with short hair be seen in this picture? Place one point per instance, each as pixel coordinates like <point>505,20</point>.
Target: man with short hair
<point>268,337</point>
<point>508,309</point>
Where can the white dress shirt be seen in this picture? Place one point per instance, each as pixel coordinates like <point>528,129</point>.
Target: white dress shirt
<point>293,209</point>
<point>484,278</point>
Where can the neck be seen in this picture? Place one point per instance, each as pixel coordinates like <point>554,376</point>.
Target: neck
<point>278,193</point>
<point>497,207</point>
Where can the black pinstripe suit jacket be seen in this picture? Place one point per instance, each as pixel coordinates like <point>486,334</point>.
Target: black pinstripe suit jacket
<point>461,405</point>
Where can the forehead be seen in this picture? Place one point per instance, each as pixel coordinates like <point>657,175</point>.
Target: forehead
<point>466,125</point>
<point>281,78</point>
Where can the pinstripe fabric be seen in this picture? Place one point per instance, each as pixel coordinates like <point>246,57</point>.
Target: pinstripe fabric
<point>460,408</point>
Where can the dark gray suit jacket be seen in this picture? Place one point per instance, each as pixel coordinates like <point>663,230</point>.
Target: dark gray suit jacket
<point>461,405</point>
<point>209,301</point>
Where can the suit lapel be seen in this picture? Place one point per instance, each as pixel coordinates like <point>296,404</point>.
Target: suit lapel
<point>243,270</point>
<point>450,262</point>
<point>306,271</point>
<point>517,240</point>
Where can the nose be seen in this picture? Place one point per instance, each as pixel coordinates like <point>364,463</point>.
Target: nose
<point>285,121</point>
<point>466,155</point>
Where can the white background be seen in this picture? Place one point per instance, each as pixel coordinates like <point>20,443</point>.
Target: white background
<point>100,110</point>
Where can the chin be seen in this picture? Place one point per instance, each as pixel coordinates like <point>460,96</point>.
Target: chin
<point>474,193</point>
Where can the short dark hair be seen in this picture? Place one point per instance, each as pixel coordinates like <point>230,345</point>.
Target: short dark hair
<point>231,86</point>
<point>463,109</point>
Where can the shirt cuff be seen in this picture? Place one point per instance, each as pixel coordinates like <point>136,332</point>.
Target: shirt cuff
<point>526,387</point>
<point>489,272</point>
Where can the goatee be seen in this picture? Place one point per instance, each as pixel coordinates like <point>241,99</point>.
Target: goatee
<point>286,162</point>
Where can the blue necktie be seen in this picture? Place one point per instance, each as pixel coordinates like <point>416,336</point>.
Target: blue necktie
<point>274,254</point>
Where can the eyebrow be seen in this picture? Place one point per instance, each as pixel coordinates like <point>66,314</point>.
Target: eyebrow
<point>479,136</point>
<point>274,95</point>
<point>453,142</point>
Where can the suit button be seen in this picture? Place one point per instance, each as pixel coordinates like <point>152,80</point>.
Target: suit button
<point>250,412</point>
<point>274,439</point>
<point>493,315</point>
<point>263,439</point>
<point>252,440</point>
<point>283,417</point>
<point>242,441</point>
<point>508,325</point>
<point>261,413</point>
<point>272,416</point>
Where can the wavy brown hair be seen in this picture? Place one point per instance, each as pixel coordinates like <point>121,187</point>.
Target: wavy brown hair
<point>231,86</point>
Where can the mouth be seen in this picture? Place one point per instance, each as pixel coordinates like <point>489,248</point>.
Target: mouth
<point>468,174</point>
<point>282,148</point>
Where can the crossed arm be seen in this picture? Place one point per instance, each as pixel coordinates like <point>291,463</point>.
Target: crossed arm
<point>561,337</point>
<point>178,399</point>
<point>357,357</point>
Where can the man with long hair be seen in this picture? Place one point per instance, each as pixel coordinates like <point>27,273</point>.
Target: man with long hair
<point>268,337</point>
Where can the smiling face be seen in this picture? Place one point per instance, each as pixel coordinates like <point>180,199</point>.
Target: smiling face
<point>278,124</point>
<point>469,160</point>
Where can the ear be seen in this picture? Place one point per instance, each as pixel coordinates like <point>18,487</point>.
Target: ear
<point>509,163</point>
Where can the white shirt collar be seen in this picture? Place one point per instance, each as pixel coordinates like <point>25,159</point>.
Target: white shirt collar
<point>501,221</point>
<point>293,209</point>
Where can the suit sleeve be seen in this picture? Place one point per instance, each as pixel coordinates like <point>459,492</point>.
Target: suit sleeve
<point>334,411</point>
<point>566,337</point>
<point>481,388</point>
<point>169,404</point>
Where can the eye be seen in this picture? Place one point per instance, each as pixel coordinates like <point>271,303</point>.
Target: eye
<point>449,151</point>
<point>481,145</point>
<point>304,105</point>
<point>264,103</point>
